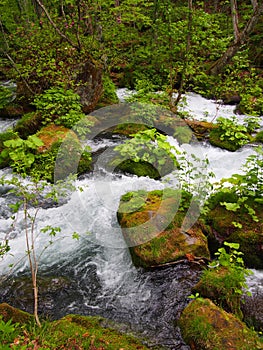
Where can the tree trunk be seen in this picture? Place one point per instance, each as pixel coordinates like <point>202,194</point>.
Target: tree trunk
<point>234,14</point>
<point>236,44</point>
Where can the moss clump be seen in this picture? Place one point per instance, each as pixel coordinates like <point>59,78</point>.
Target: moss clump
<point>151,224</point>
<point>201,129</point>
<point>205,326</point>
<point>129,129</point>
<point>220,285</point>
<point>236,226</point>
<point>109,95</point>
<point>259,137</point>
<point>140,168</point>
<point>70,332</point>
<point>215,140</point>
<point>8,312</point>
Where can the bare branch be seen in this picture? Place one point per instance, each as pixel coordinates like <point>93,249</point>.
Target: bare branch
<point>56,28</point>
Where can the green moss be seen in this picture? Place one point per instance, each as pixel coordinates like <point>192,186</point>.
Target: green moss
<point>251,243</point>
<point>219,224</point>
<point>205,326</point>
<point>151,224</point>
<point>18,316</point>
<point>214,139</point>
<point>220,285</point>
<point>259,136</point>
<point>140,168</point>
<point>129,129</point>
<point>109,95</point>
<point>70,332</point>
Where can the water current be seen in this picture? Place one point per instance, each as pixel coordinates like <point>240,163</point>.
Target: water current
<point>94,275</point>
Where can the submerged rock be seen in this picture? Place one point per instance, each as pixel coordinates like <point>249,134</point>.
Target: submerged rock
<point>205,326</point>
<point>152,227</point>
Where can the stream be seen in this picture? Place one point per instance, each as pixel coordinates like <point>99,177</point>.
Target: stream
<point>94,275</point>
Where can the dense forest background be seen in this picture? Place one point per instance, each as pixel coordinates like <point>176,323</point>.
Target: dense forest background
<point>209,47</point>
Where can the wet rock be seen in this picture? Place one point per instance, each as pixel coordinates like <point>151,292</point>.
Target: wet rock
<point>205,326</point>
<point>19,292</point>
<point>152,227</point>
<point>252,308</point>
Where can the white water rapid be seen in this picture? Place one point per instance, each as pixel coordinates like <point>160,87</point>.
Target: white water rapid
<point>101,279</point>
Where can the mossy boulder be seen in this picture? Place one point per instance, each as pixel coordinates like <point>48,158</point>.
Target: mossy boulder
<point>152,227</point>
<point>237,226</point>
<point>91,333</point>
<point>205,326</point>
<point>61,154</point>
<point>221,285</point>
<point>87,78</point>
<point>139,168</point>
<point>215,140</point>
<point>70,332</point>
<point>128,129</point>
<point>9,312</point>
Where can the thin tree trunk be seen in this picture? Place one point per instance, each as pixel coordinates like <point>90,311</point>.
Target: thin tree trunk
<point>187,51</point>
<point>234,14</point>
<point>235,46</point>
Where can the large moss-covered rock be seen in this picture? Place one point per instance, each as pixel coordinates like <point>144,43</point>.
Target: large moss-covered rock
<point>205,326</point>
<point>152,227</point>
<point>237,226</point>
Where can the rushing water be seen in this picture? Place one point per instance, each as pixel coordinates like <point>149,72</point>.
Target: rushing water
<point>94,274</point>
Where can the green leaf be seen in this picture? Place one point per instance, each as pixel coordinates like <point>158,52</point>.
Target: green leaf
<point>231,206</point>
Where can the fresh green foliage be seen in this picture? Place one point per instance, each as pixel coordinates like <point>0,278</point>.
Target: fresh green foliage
<point>59,105</point>
<point>225,279</point>
<point>148,146</point>
<point>247,186</point>
<point>8,331</point>
<point>229,259</point>
<point>5,96</point>
<point>22,152</point>
<point>232,131</point>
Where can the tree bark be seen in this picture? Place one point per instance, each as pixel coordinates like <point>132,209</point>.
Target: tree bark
<point>234,14</point>
<point>236,44</point>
